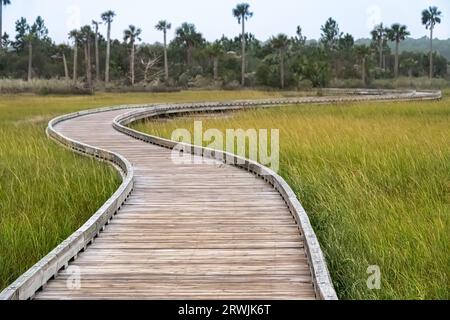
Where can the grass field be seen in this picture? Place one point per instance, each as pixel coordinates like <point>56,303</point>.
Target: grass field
<point>375,180</point>
<point>47,192</point>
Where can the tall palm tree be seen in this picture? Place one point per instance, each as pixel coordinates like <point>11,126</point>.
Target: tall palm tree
<point>281,43</point>
<point>30,38</point>
<point>187,34</point>
<point>242,13</point>
<point>97,55</point>
<point>379,36</point>
<point>61,54</point>
<point>431,17</point>
<point>108,18</point>
<point>131,35</point>
<point>2,3</point>
<point>75,35</point>
<point>87,35</point>
<point>163,26</point>
<point>397,33</point>
<point>363,52</point>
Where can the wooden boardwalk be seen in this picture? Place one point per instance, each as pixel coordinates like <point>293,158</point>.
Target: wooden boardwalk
<point>191,231</point>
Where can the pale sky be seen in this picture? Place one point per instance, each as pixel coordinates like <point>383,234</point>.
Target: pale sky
<point>213,17</point>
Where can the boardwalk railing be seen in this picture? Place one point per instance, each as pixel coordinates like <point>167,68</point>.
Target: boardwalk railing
<point>37,276</point>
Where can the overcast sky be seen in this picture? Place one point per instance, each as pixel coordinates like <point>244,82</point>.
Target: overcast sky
<point>213,17</point>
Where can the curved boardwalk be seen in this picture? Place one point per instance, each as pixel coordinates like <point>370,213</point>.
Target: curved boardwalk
<point>191,231</point>
<point>200,231</point>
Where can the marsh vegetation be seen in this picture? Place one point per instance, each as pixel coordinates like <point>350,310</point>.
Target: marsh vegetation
<point>373,178</point>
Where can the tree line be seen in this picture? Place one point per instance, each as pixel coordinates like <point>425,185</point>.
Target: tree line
<point>189,60</point>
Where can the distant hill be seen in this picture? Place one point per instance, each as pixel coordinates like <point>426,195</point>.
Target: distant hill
<point>419,45</point>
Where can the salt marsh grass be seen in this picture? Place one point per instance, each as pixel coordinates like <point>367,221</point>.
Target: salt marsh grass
<point>375,180</point>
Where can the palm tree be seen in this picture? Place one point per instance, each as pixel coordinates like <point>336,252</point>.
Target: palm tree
<point>132,35</point>
<point>61,54</point>
<point>87,35</point>
<point>363,52</point>
<point>431,17</point>
<point>379,35</point>
<point>108,17</point>
<point>75,35</point>
<point>2,3</point>
<point>66,68</point>
<point>97,56</point>
<point>215,51</point>
<point>281,43</point>
<point>163,26</point>
<point>189,37</point>
<point>29,38</point>
<point>242,13</point>
<point>397,33</point>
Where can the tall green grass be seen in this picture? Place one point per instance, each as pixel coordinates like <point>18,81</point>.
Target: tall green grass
<point>423,83</point>
<point>375,180</point>
<point>46,191</point>
<point>41,87</point>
